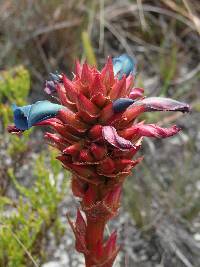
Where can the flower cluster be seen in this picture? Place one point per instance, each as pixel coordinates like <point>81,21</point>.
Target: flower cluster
<point>97,133</point>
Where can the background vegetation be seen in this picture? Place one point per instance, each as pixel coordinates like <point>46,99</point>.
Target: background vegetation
<point>159,220</point>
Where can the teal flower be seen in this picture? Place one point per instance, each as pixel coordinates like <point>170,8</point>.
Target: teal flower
<point>27,116</point>
<point>123,64</point>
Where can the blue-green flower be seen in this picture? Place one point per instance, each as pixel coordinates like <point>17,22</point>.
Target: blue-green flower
<point>27,116</point>
<point>123,64</point>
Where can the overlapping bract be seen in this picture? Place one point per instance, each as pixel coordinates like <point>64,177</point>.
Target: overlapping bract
<point>100,139</point>
<point>97,135</point>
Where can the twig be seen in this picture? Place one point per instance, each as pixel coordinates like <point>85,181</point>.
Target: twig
<point>55,27</point>
<point>113,12</point>
<point>91,16</point>
<point>119,37</point>
<point>171,4</point>
<point>141,15</point>
<point>180,255</point>
<point>101,25</point>
<point>43,56</point>
<point>192,14</point>
<point>147,46</point>
<point>37,74</point>
<point>112,29</point>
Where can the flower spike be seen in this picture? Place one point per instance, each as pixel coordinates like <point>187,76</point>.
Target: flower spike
<point>97,133</point>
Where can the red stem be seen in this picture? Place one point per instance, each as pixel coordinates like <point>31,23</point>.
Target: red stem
<point>94,235</point>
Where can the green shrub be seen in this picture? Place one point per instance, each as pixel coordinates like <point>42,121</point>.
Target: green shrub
<point>26,218</point>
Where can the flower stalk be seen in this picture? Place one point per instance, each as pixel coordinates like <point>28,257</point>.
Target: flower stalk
<point>97,135</point>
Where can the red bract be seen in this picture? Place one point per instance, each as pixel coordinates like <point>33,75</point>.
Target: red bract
<point>97,135</point>
<point>99,142</point>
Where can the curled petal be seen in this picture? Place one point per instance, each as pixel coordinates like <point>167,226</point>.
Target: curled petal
<point>150,130</point>
<point>163,104</point>
<point>123,64</point>
<point>111,136</point>
<point>27,116</point>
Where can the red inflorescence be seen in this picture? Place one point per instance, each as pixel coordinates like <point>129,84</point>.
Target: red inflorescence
<point>97,139</point>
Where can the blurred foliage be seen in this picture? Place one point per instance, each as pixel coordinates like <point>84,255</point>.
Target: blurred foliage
<point>25,219</point>
<point>14,88</point>
<point>14,85</point>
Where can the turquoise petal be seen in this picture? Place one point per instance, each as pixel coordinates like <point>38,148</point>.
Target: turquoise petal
<point>27,116</point>
<point>123,64</point>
